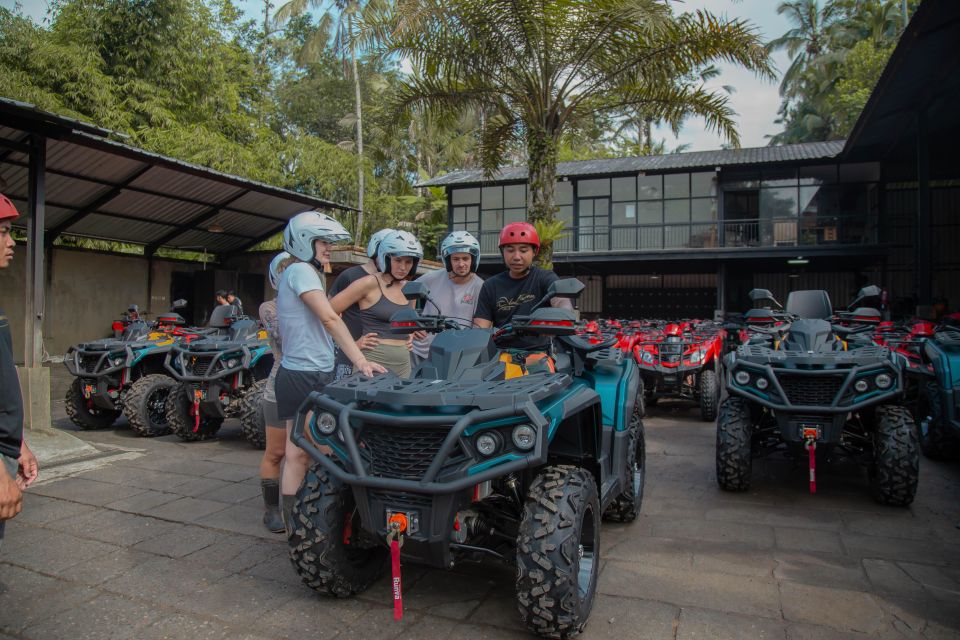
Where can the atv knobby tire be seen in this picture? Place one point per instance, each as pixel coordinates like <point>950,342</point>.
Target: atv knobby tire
<point>179,404</point>
<point>709,395</point>
<point>252,424</point>
<point>317,549</point>
<point>145,405</point>
<point>626,506</point>
<point>558,552</point>
<point>84,414</point>
<point>734,440</point>
<point>936,443</point>
<point>896,457</point>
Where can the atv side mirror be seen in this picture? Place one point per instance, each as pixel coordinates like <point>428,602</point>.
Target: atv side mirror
<point>760,295</point>
<point>565,288</point>
<point>417,291</point>
<point>179,303</point>
<point>868,292</point>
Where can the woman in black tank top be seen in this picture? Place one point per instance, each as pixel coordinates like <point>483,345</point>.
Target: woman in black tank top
<point>379,296</point>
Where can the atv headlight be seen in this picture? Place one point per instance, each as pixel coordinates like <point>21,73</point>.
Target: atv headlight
<point>231,363</point>
<point>118,361</point>
<point>762,383</point>
<point>697,355</point>
<point>326,423</point>
<point>883,381</point>
<point>647,357</point>
<point>486,444</point>
<point>524,437</point>
<point>742,377</point>
<point>861,385</point>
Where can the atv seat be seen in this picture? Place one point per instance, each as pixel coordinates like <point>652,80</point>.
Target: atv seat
<point>813,304</point>
<point>222,316</point>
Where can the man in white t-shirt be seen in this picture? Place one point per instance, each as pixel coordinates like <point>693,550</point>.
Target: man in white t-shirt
<point>455,289</point>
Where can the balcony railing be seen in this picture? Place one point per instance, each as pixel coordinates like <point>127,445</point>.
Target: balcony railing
<point>770,232</point>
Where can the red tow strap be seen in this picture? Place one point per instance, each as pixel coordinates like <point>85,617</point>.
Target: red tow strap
<point>811,441</point>
<point>397,592</point>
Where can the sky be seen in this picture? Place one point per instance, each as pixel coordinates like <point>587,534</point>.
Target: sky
<point>755,100</point>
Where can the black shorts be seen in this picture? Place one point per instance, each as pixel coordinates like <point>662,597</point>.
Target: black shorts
<point>293,387</point>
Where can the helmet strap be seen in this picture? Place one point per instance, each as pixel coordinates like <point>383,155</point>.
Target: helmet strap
<point>316,264</point>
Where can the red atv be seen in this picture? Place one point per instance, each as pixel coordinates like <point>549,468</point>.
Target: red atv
<point>682,361</point>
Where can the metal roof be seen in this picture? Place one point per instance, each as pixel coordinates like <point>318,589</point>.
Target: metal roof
<point>667,162</point>
<point>100,188</point>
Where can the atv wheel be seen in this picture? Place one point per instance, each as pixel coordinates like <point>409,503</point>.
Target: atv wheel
<point>322,558</point>
<point>935,442</point>
<point>84,413</point>
<point>709,395</point>
<point>558,552</point>
<point>145,405</point>
<point>734,439</point>
<point>181,419</point>
<point>626,506</point>
<point>251,415</point>
<point>642,400</point>
<point>896,457</point>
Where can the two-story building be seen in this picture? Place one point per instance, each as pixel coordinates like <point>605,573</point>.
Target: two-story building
<point>685,234</point>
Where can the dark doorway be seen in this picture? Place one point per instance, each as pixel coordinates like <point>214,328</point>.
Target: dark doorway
<point>661,304</point>
<point>181,288</point>
<point>250,290</point>
<point>741,218</point>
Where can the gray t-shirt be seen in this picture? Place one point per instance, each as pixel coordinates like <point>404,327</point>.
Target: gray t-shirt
<point>306,344</point>
<point>455,301</point>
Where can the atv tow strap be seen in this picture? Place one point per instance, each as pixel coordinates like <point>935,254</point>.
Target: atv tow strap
<point>811,442</point>
<point>397,525</point>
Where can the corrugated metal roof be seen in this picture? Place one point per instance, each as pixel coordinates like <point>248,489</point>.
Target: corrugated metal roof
<point>668,162</point>
<point>101,188</point>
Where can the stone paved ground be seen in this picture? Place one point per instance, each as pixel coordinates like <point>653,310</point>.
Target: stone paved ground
<point>166,542</point>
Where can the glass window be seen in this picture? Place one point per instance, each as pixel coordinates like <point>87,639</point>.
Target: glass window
<point>649,187</point>
<point>586,209</point>
<point>741,179</point>
<point>491,220</point>
<point>703,184</point>
<point>492,198</point>
<point>676,211</point>
<point>703,210</point>
<point>822,174</point>
<point>514,215</point>
<point>650,212</point>
<point>563,193</point>
<point>459,216</point>
<point>810,200</point>
<point>514,196</point>
<point>601,209</point>
<point>779,177</point>
<point>565,213</point>
<point>465,196</point>
<point>587,188</point>
<point>860,172</point>
<point>473,214</point>
<point>676,185</point>
<point>624,189</point>
<point>624,213</point>
<point>778,203</point>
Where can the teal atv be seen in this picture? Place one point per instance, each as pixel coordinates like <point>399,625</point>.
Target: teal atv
<point>940,399</point>
<point>465,462</point>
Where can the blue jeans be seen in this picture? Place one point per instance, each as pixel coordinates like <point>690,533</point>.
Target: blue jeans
<point>12,465</point>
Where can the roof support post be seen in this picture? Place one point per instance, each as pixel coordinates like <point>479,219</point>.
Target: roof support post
<point>35,289</point>
<point>721,287</point>
<point>924,235</point>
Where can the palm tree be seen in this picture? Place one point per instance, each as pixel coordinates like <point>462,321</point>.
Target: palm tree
<point>807,40</point>
<point>532,67</point>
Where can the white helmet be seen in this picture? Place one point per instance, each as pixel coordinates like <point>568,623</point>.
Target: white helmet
<point>395,245</point>
<point>308,226</point>
<point>275,268</point>
<point>375,241</point>
<point>460,242</point>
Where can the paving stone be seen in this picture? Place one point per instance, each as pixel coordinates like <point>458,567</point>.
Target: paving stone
<point>233,473</point>
<point>892,524</point>
<point>659,552</point>
<point>163,579</point>
<point>616,618</point>
<point>896,549</point>
<point>199,486</point>
<point>793,539</point>
<point>233,493</point>
<point>702,624</point>
<point>108,567</point>
<point>816,632</point>
<point>308,614</point>
<point>377,622</point>
<point>21,589</point>
<point>937,581</point>
<point>179,541</point>
<point>743,562</point>
<point>888,577</point>
<point>841,609</point>
<point>747,595</point>
<point>236,599</point>
<point>182,625</point>
<point>143,503</point>
<point>235,553</point>
<point>779,517</point>
<point>115,527</point>
<point>86,491</point>
<point>143,478</point>
<point>107,616</point>
<point>190,467</point>
<point>188,509</point>
<point>759,536</point>
<point>249,458</point>
<point>50,551</point>
<point>277,567</point>
<point>41,510</point>
<point>821,570</point>
<point>447,594</point>
<point>239,519</point>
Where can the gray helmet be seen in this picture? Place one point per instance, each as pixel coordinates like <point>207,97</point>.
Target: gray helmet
<point>275,268</point>
<point>395,245</point>
<point>375,240</point>
<point>308,226</point>
<point>460,242</point>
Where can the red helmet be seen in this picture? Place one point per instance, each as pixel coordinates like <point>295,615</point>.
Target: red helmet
<point>520,233</point>
<point>7,210</point>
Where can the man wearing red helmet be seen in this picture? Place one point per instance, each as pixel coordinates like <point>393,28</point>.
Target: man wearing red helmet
<point>18,465</point>
<point>516,290</point>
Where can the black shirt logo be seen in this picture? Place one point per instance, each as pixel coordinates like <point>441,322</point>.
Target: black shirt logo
<point>508,304</point>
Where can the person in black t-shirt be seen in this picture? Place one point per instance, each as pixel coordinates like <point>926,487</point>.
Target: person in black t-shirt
<point>18,465</point>
<point>518,289</point>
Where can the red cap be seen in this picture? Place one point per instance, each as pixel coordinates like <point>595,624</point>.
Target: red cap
<point>520,233</point>
<point>7,210</point>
